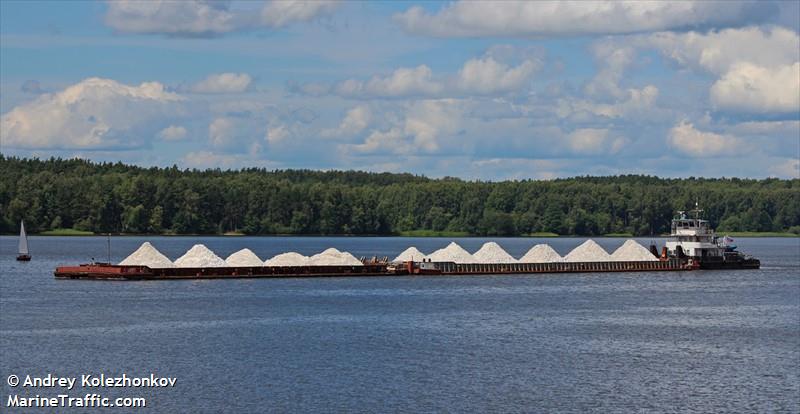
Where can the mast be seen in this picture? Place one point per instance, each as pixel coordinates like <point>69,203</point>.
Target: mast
<point>23,239</point>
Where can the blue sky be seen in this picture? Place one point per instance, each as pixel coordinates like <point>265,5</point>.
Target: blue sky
<point>479,90</point>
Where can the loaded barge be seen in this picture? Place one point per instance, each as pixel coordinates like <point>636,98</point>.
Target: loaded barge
<point>695,246</point>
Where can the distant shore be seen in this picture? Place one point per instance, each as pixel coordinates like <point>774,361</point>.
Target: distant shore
<point>411,233</point>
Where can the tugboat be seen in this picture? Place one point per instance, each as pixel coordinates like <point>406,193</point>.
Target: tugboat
<point>24,255</point>
<point>696,242</point>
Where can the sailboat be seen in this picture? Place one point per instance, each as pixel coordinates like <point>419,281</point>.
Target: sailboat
<point>23,255</point>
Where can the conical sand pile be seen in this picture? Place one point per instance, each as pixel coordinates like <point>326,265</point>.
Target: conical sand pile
<point>147,255</point>
<point>200,256</point>
<point>541,253</point>
<point>452,253</point>
<point>491,252</point>
<point>333,257</point>
<point>287,259</point>
<point>244,258</point>
<point>410,254</point>
<point>589,251</point>
<point>631,251</point>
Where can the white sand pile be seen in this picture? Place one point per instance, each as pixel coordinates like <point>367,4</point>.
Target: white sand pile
<point>589,251</point>
<point>244,258</point>
<point>287,259</point>
<point>333,257</point>
<point>147,255</point>
<point>200,256</point>
<point>541,253</point>
<point>631,251</point>
<point>350,260</point>
<point>452,253</point>
<point>410,254</point>
<point>491,252</point>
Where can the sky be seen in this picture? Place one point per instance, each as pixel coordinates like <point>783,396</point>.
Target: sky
<point>471,89</point>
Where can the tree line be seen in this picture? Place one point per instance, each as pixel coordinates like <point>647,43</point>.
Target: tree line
<point>118,198</point>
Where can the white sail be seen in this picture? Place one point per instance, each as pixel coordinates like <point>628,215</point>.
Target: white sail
<point>23,239</point>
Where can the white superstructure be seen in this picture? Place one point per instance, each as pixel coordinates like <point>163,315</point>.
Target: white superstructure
<point>693,237</point>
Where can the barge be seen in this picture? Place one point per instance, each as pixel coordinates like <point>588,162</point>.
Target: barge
<point>695,247</point>
<point>106,271</point>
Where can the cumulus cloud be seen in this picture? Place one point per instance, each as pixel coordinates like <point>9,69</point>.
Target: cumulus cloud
<point>402,82</point>
<point>223,83</point>
<point>752,88</point>
<point>234,134</point>
<point>422,128</point>
<point>595,141</point>
<point>488,76</point>
<point>718,51</point>
<point>613,62</point>
<point>758,69</point>
<point>94,113</point>
<point>427,121</point>
<point>208,17</point>
<point>172,133</point>
<point>392,141</point>
<point>277,133</point>
<point>479,76</point>
<point>356,120</point>
<point>281,13</point>
<point>570,18</point>
<point>635,101</point>
<point>685,138</point>
<point>190,17</point>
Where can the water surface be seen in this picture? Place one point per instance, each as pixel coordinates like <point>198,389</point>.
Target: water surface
<point>704,341</point>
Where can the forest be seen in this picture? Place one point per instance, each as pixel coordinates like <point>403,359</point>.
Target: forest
<point>117,198</point>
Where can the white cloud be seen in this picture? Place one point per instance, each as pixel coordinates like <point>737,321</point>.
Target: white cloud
<point>172,133</point>
<point>718,51</point>
<point>478,76</point>
<point>277,133</point>
<point>223,83</point>
<point>488,76</point>
<point>188,17</point>
<point>614,60</point>
<point>94,113</point>
<point>595,141</point>
<point>567,18</point>
<point>427,121</point>
<point>402,82</point>
<point>637,101</point>
<point>758,69</point>
<point>422,128</point>
<point>221,132</point>
<point>204,18</point>
<point>788,168</point>
<point>752,88</point>
<point>356,120</point>
<point>685,138</point>
<point>283,12</point>
<point>392,141</point>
